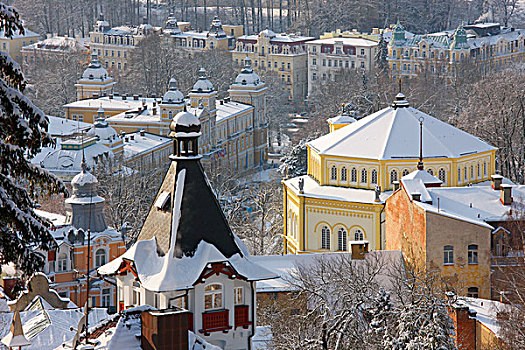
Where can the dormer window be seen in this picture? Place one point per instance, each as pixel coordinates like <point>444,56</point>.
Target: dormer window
<point>62,262</point>
<point>213,296</point>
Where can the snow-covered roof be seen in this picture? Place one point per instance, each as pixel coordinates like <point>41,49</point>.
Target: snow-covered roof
<point>347,194</point>
<point>56,220</point>
<point>424,176</point>
<point>393,133</point>
<point>60,127</point>
<point>185,118</point>
<point>286,266</point>
<point>173,95</point>
<point>60,44</point>
<point>49,328</point>
<point>16,35</point>
<point>268,33</point>
<point>486,311</point>
<point>479,204</point>
<point>167,273</point>
<point>103,131</point>
<point>360,42</point>
<point>143,143</point>
<point>341,119</point>
<point>230,109</point>
<point>202,84</point>
<point>247,77</point>
<point>113,103</point>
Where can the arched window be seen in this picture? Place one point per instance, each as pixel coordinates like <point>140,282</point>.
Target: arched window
<point>364,176</point>
<point>393,176</point>
<point>442,175</point>
<point>373,178</point>
<point>479,173</point>
<point>358,235</point>
<point>448,255</point>
<point>100,257</point>
<point>473,292</point>
<point>353,175</point>
<point>213,296</point>
<point>430,171</point>
<point>459,174</point>
<point>62,262</point>
<point>341,239</point>
<point>471,172</point>
<point>333,175</point>
<point>405,172</point>
<point>466,175</point>
<point>485,168</point>
<point>344,176</point>
<point>325,237</point>
<point>473,254</point>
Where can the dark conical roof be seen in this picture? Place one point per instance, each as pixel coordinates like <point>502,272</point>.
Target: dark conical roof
<point>200,217</point>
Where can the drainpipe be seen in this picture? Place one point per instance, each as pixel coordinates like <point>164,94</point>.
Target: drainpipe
<point>285,193</point>
<point>252,283</point>
<point>381,234</point>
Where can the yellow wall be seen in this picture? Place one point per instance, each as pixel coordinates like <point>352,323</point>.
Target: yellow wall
<point>14,46</point>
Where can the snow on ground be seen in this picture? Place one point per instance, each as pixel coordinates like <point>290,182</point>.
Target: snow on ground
<point>263,337</point>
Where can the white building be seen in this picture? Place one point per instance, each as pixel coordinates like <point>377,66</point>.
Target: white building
<point>187,262</point>
<point>332,56</point>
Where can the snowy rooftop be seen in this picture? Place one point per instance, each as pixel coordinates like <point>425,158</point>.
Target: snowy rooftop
<point>486,311</point>
<point>27,33</point>
<point>342,119</point>
<point>286,265</point>
<point>115,103</point>
<point>230,109</point>
<point>59,43</point>
<point>48,328</point>
<point>479,204</point>
<point>143,143</point>
<point>346,41</point>
<point>313,190</point>
<point>393,133</point>
<point>60,127</point>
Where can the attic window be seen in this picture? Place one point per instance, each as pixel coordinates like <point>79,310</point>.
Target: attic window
<point>162,201</point>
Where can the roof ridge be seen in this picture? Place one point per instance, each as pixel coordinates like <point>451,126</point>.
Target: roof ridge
<point>389,134</point>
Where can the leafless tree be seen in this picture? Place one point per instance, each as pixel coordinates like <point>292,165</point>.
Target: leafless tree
<point>373,303</point>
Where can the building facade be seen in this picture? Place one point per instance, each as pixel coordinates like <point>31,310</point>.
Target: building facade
<point>115,45</point>
<point>339,53</point>
<point>351,171</point>
<point>284,54</point>
<point>218,37</point>
<point>487,46</point>
<point>14,44</point>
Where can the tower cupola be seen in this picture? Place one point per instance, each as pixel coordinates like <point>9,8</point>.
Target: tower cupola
<point>185,129</point>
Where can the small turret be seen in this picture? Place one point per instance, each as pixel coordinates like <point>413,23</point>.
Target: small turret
<point>185,129</point>
<point>398,33</point>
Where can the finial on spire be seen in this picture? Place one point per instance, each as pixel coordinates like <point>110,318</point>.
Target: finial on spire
<point>84,165</point>
<point>420,163</point>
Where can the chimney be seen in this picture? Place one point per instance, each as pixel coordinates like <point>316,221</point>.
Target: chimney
<point>124,97</point>
<point>154,110</point>
<point>506,194</point>
<point>110,96</point>
<point>95,95</point>
<point>132,137</point>
<point>142,132</point>
<point>496,181</point>
<point>396,185</point>
<point>416,196</point>
<point>126,139</point>
<point>465,326</point>
<point>136,97</point>
<point>359,250</point>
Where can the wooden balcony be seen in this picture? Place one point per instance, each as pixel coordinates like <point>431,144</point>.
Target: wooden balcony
<point>242,316</point>
<point>215,321</point>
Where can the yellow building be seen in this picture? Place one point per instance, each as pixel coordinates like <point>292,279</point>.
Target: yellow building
<point>115,45</point>
<point>488,46</point>
<point>341,201</point>
<point>219,37</point>
<point>285,54</point>
<point>13,45</point>
<point>339,52</point>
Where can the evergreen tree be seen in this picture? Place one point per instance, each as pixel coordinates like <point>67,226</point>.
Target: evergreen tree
<point>22,134</point>
<point>294,163</point>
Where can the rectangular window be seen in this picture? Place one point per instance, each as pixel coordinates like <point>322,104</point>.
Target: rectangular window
<point>472,254</point>
<point>288,66</point>
<point>324,62</point>
<point>238,296</point>
<point>362,64</point>
<point>314,48</point>
<point>314,62</point>
<point>329,63</point>
<point>346,64</point>
<point>314,76</point>
<point>448,256</point>
<point>106,297</point>
<point>362,52</point>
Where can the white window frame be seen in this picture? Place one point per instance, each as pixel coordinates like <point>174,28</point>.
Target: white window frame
<point>214,294</point>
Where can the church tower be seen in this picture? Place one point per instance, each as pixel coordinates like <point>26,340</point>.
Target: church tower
<point>94,81</point>
<point>172,102</point>
<point>85,209</point>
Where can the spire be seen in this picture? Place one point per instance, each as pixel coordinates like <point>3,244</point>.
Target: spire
<point>420,163</point>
